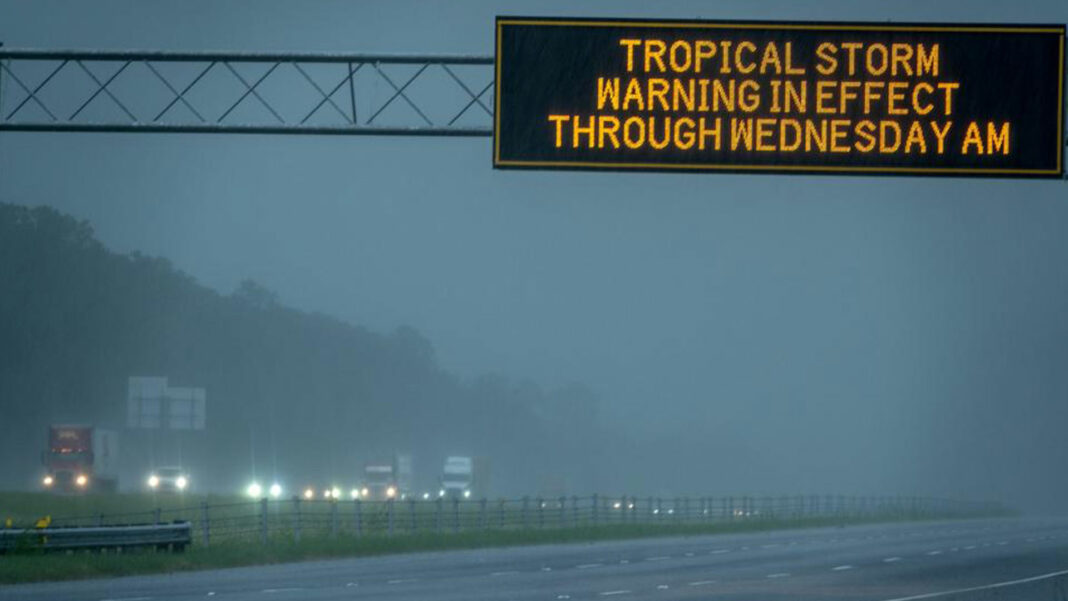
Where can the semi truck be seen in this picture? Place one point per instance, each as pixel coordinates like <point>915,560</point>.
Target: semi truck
<point>390,479</point>
<point>457,478</point>
<point>81,458</point>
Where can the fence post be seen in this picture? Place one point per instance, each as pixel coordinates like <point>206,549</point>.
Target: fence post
<point>296,518</point>
<point>526,505</point>
<point>263,520</point>
<point>358,516</point>
<point>574,511</point>
<point>156,516</point>
<point>563,511</point>
<point>437,513</point>
<point>541,512</point>
<point>389,516</point>
<point>333,519</point>
<point>411,514</point>
<point>99,519</point>
<point>205,527</point>
<point>456,514</point>
<point>686,509</point>
<point>482,513</point>
<point>595,509</point>
<point>500,513</point>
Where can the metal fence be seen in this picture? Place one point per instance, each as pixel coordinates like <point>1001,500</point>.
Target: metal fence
<point>297,519</point>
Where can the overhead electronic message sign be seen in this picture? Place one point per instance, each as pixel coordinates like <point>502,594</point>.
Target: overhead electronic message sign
<point>925,99</point>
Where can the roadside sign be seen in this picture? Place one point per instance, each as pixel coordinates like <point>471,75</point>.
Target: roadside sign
<point>870,98</point>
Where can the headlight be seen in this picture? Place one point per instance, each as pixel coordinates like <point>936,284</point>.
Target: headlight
<point>467,494</point>
<point>617,505</point>
<point>276,490</point>
<point>308,493</point>
<point>441,493</point>
<point>81,480</point>
<point>335,493</point>
<point>391,492</point>
<point>365,492</point>
<point>254,490</point>
<point>48,480</point>
<point>153,481</point>
<point>181,482</point>
<point>426,496</point>
<point>354,493</point>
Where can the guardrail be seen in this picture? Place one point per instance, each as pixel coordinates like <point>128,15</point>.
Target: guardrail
<point>294,519</point>
<point>173,537</point>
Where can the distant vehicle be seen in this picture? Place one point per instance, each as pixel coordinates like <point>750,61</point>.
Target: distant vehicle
<point>81,458</point>
<point>458,478</point>
<point>168,479</point>
<point>387,479</point>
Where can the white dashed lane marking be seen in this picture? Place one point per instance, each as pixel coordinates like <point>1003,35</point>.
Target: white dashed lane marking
<point>934,552</point>
<point>401,581</point>
<point>779,575</point>
<point>719,551</point>
<point>505,573</point>
<point>841,568</point>
<point>891,559</point>
<point>587,566</point>
<point>702,583</point>
<point>658,558</point>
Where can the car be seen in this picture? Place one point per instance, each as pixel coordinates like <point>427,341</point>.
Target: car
<point>168,479</point>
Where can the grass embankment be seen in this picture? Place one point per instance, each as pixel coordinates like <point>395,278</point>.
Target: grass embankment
<point>39,566</point>
<point>34,565</point>
<point>24,508</point>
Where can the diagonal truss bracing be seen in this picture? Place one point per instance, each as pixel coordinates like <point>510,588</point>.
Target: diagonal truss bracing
<point>234,92</point>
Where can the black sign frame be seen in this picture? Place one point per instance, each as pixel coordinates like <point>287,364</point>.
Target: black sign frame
<point>519,162</point>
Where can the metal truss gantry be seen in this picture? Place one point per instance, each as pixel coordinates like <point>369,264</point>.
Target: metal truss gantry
<point>231,92</point>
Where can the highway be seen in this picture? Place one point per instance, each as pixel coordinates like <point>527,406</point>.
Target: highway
<point>1001,559</point>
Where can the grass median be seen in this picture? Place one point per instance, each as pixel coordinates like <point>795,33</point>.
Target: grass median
<point>40,566</point>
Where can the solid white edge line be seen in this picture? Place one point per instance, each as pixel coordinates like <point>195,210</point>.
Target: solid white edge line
<point>981,588</point>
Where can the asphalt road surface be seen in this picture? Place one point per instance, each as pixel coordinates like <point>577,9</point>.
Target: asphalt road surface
<point>1003,559</point>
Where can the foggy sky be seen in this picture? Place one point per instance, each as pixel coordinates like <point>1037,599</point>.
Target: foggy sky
<point>886,334</point>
